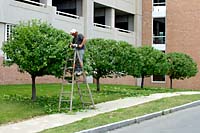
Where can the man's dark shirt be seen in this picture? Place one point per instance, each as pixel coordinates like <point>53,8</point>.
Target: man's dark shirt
<point>78,40</point>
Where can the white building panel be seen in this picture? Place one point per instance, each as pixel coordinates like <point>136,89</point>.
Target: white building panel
<point>159,11</point>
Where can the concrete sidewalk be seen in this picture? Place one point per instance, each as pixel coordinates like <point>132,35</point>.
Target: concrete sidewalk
<point>55,120</point>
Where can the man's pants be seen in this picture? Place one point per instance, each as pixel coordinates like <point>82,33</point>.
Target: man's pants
<point>81,55</point>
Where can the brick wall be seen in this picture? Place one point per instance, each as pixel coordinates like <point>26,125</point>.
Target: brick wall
<point>10,75</point>
<point>128,80</point>
<point>182,34</point>
<point>147,22</point>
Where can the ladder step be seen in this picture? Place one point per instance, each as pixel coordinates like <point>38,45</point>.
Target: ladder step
<point>69,81</point>
<point>67,108</point>
<point>65,100</point>
<point>69,68</point>
<point>87,102</point>
<point>68,92</point>
<point>85,95</point>
<point>80,81</point>
<point>65,92</point>
<point>70,59</point>
<point>68,77</point>
<point>78,73</point>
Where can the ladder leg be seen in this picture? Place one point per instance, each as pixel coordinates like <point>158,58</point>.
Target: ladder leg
<point>84,78</point>
<point>73,80</point>
<point>62,86</point>
<point>88,88</point>
<point>60,98</point>
<point>71,96</point>
<point>77,62</point>
<point>80,94</point>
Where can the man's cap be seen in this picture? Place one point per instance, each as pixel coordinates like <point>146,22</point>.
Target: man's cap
<point>73,31</point>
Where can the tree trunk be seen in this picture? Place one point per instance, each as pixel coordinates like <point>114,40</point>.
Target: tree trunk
<point>33,88</point>
<point>170,82</point>
<point>98,84</point>
<point>142,83</point>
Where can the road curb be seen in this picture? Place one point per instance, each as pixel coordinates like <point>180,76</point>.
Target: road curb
<point>135,120</point>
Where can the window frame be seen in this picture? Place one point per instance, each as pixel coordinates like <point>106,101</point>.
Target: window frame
<point>159,82</point>
<point>163,37</point>
<point>159,3</point>
<point>7,33</point>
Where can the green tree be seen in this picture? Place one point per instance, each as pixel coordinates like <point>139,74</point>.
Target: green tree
<point>37,48</point>
<point>181,66</point>
<point>100,58</point>
<point>126,59</point>
<point>151,62</point>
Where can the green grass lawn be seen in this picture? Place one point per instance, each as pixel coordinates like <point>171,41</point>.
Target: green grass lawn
<point>123,114</point>
<point>15,103</point>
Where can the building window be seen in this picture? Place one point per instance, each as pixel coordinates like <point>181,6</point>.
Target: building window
<point>8,31</point>
<point>69,8</point>
<point>32,2</point>
<point>159,2</point>
<point>99,16</point>
<point>158,78</point>
<point>159,31</point>
<point>124,21</point>
<point>121,22</point>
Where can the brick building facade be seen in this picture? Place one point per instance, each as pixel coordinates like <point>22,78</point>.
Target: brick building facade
<point>167,25</point>
<point>182,32</point>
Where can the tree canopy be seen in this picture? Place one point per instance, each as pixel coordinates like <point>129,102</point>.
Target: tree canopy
<point>125,58</point>
<point>37,48</point>
<point>40,49</point>
<point>151,62</point>
<point>108,58</point>
<point>181,66</point>
<point>100,57</point>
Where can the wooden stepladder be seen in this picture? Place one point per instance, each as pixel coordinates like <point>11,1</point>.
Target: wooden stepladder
<point>78,79</point>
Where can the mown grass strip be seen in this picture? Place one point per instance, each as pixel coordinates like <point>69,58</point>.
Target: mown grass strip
<point>124,114</point>
<point>16,104</point>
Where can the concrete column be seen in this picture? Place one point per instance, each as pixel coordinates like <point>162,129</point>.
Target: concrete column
<point>79,7</point>
<point>88,14</point>
<point>2,34</point>
<point>110,17</point>
<point>138,29</point>
<point>131,22</point>
<point>138,23</point>
<point>46,2</point>
<point>113,18</point>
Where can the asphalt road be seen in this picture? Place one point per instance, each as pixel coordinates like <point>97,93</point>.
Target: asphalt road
<point>185,121</point>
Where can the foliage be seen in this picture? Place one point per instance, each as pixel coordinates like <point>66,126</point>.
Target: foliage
<point>37,48</point>
<point>181,66</point>
<point>126,58</point>
<point>108,58</point>
<point>100,57</point>
<point>151,62</point>
<point>49,104</point>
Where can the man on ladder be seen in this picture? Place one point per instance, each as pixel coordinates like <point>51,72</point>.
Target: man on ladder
<point>79,44</point>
